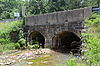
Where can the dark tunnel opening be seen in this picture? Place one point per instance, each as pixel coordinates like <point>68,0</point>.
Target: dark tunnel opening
<point>66,41</point>
<point>36,37</point>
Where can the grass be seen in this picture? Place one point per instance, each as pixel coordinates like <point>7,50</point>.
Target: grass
<point>73,62</point>
<point>40,61</point>
<point>93,44</point>
<point>8,47</point>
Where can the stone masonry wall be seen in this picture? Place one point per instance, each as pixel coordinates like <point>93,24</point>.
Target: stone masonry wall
<point>52,23</point>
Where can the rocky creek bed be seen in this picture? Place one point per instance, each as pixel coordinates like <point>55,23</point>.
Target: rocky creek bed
<point>34,57</point>
<point>18,56</point>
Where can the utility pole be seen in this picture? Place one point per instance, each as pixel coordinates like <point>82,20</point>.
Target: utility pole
<point>23,10</point>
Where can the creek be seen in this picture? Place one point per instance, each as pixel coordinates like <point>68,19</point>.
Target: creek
<point>46,57</point>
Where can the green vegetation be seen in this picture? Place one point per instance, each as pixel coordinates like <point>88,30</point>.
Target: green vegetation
<point>22,43</point>
<point>40,61</point>
<point>6,28</point>
<point>73,62</point>
<point>92,40</point>
<point>6,43</point>
<point>33,7</point>
<point>35,45</point>
<point>5,38</point>
<point>94,19</point>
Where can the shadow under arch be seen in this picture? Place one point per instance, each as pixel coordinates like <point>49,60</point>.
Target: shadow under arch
<point>66,41</point>
<point>36,36</point>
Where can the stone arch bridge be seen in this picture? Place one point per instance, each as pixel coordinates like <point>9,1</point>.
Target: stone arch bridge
<point>51,24</point>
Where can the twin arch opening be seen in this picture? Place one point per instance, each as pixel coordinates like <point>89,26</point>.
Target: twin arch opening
<point>65,40</point>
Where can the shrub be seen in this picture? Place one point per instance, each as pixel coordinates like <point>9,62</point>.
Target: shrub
<point>4,41</point>
<point>17,46</point>
<point>97,28</point>
<point>92,41</point>
<point>8,27</point>
<point>22,42</point>
<point>71,62</point>
<point>21,34</point>
<point>5,30</point>
<point>92,55</point>
<point>5,15</point>
<point>35,46</point>
<point>94,19</point>
<point>29,46</point>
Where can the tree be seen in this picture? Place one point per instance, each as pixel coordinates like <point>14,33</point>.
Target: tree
<point>34,7</point>
<point>89,3</point>
<point>8,6</point>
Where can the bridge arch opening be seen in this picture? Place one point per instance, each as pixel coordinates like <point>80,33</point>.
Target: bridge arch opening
<point>66,41</point>
<point>36,37</point>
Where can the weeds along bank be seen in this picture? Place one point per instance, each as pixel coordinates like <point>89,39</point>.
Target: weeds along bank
<point>92,39</point>
<point>12,37</point>
<point>6,29</point>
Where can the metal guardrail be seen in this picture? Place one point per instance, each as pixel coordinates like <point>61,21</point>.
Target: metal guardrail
<point>97,8</point>
<point>10,20</point>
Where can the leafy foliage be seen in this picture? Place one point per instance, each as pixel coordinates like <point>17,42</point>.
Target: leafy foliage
<point>33,7</point>
<point>8,7</point>
<point>73,62</point>
<point>92,55</point>
<point>21,34</point>
<point>92,39</point>
<point>5,30</point>
<point>22,43</point>
<point>35,44</point>
<point>94,19</point>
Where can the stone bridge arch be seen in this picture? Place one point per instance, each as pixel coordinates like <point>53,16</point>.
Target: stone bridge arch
<point>52,23</point>
<point>36,37</point>
<point>64,41</point>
